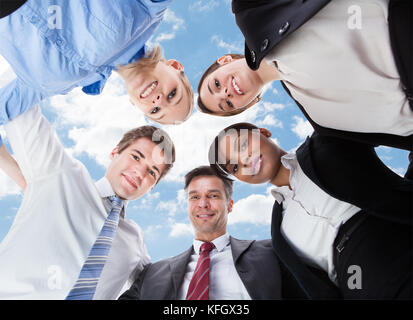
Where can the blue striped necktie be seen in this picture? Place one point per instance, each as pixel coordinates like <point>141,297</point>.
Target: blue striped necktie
<point>85,286</point>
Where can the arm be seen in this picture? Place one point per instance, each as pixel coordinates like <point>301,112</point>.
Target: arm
<point>11,168</point>
<point>134,291</point>
<point>15,99</point>
<point>36,147</point>
<point>352,172</point>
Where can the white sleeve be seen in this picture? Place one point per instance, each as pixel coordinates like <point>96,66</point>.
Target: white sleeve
<point>35,145</point>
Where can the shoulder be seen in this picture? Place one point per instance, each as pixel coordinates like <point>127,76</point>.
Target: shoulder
<point>263,244</point>
<point>161,264</point>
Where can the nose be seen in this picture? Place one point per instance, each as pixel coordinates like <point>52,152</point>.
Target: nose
<point>157,99</point>
<point>203,202</point>
<point>224,93</point>
<point>139,170</point>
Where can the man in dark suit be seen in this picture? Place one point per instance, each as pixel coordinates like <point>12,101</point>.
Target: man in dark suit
<point>238,269</point>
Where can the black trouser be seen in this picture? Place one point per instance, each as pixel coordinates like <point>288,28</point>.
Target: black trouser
<point>377,260</point>
<point>9,6</point>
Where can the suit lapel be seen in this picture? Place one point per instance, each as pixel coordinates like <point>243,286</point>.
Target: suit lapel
<point>238,247</point>
<point>178,270</point>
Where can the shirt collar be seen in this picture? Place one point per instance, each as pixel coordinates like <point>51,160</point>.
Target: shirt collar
<point>289,161</point>
<point>105,190</point>
<point>220,243</point>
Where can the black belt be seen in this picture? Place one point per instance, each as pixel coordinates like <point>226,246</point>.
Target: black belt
<point>347,229</point>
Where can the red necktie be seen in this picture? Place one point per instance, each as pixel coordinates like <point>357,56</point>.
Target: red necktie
<point>199,285</point>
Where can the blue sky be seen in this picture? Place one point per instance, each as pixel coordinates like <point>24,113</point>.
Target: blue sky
<point>195,33</point>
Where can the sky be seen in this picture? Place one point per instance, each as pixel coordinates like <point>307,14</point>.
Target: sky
<point>195,33</point>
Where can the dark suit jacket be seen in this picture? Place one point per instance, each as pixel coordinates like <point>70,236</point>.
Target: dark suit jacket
<point>254,261</point>
<point>370,185</point>
<point>265,23</point>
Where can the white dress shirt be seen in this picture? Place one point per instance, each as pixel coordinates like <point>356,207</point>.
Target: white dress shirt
<point>224,281</point>
<point>61,214</point>
<point>346,78</point>
<point>311,217</point>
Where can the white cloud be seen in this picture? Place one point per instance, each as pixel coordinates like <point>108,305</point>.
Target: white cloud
<point>203,5</point>
<point>255,209</point>
<point>229,47</point>
<point>270,120</point>
<point>146,201</point>
<point>177,24</point>
<point>171,207</point>
<point>302,128</point>
<point>97,123</point>
<point>270,107</point>
<point>181,229</point>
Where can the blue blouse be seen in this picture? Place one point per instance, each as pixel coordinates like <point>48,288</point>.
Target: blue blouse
<point>56,45</point>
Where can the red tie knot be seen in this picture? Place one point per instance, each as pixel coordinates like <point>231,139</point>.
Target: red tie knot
<point>207,247</point>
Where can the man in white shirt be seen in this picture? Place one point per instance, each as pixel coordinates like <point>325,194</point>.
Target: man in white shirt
<point>63,210</point>
<point>238,269</point>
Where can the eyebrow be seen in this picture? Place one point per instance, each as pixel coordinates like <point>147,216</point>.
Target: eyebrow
<point>209,88</point>
<point>211,190</point>
<point>143,157</point>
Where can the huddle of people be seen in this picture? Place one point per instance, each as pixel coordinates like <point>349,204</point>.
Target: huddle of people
<point>337,207</point>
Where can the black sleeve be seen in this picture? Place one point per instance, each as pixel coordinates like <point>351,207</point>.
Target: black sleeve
<point>352,172</point>
<point>133,293</point>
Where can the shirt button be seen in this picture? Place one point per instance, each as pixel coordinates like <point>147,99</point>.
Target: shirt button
<point>264,45</point>
<point>253,56</point>
<point>284,28</point>
<point>81,63</point>
<point>59,42</point>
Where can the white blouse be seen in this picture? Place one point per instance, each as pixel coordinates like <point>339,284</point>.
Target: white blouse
<point>344,76</point>
<point>311,217</point>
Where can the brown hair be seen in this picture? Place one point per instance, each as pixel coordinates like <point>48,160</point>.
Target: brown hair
<point>203,108</point>
<point>213,153</point>
<point>149,62</point>
<point>209,171</point>
<point>156,135</point>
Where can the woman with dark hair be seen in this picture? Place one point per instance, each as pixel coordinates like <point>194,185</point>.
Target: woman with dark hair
<point>355,226</point>
<point>336,59</point>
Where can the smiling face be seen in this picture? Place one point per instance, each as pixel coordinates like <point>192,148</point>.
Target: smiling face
<point>161,93</point>
<point>208,207</point>
<point>134,171</point>
<point>230,87</point>
<point>250,155</point>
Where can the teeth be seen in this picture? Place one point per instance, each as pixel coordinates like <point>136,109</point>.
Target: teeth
<point>234,84</point>
<point>149,90</point>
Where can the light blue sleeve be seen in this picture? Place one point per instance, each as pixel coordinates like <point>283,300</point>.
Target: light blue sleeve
<point>15,99</point>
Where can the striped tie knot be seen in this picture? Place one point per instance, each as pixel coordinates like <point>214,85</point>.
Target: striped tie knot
<point>206,247</point>
<point>116,202</point>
